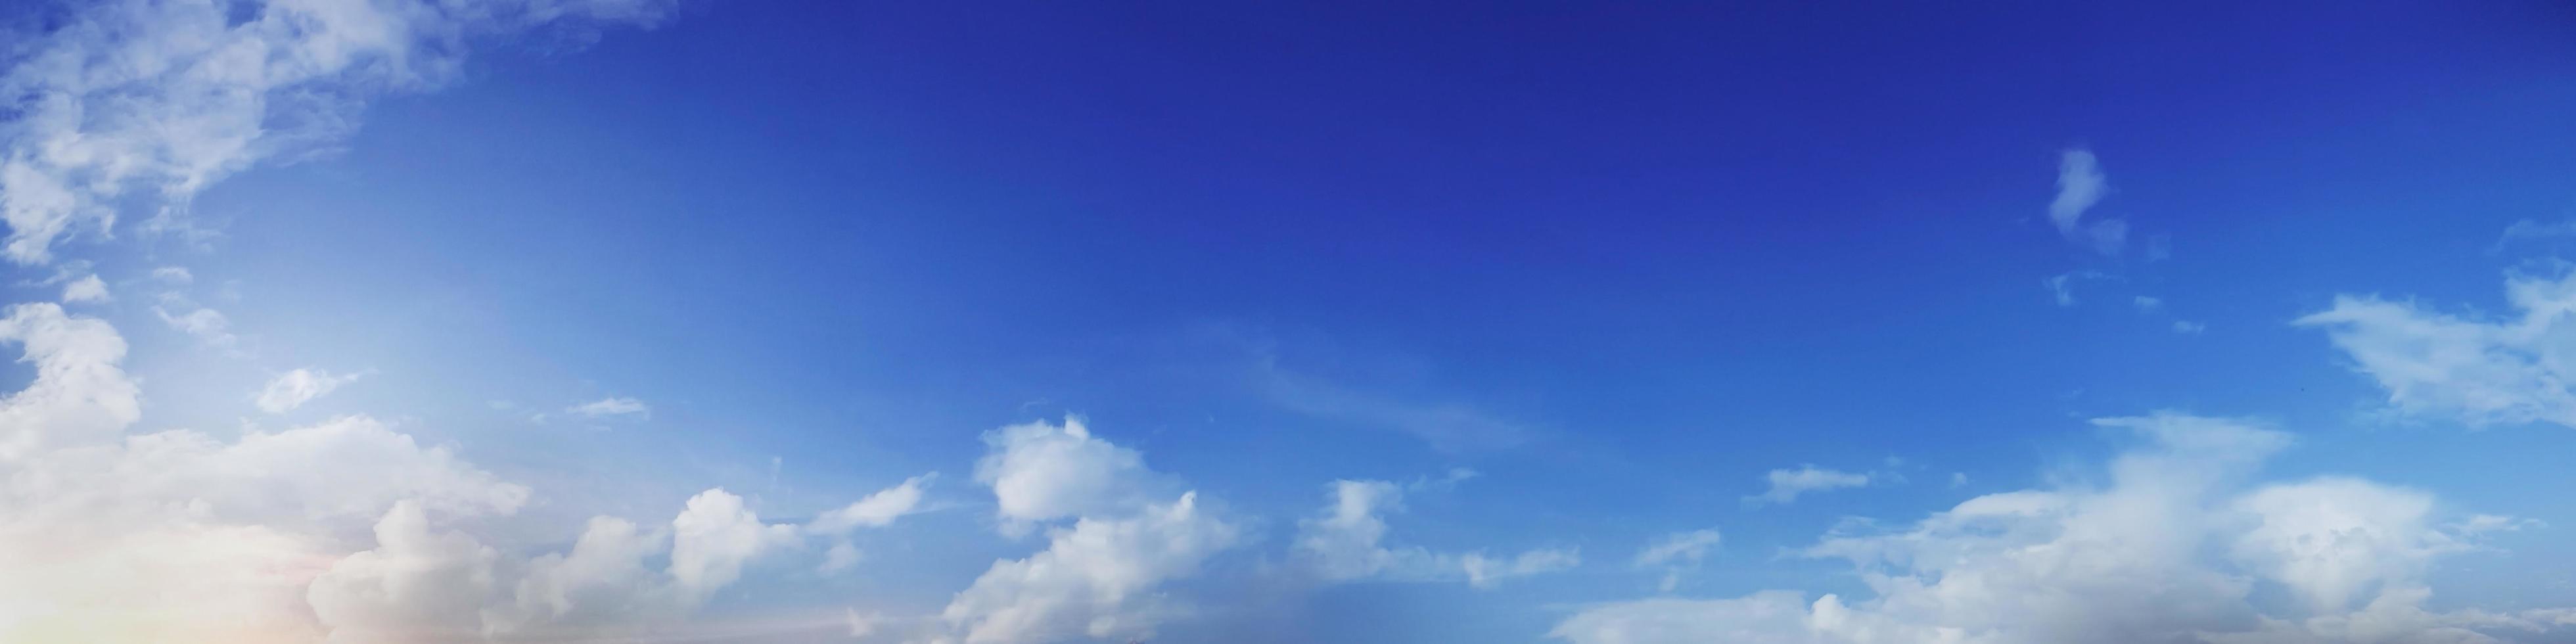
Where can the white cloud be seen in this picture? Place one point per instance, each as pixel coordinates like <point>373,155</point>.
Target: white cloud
<point>1097,577</point>
<point>2147,304</point>
<point>1677,552</point>
<point>207,325</point>
<point>714,537</point>
<point>1344,542</point>
<point>1041,472</point>
<point>1483,572</point>
<point>174,275</point>
<point>2080,186</point>
<point>2478,371</point>
<point>130,96</point>
<point>2187,327</point>
<point>89,288</point>
<point>1447,426</point>
<point>2173,547</point>
<point>294,388</point>
<point>611,406</point>
<point>875,510</point>
<point>79,394</point>
<point>1787,485</point>
<point>1094,578</point>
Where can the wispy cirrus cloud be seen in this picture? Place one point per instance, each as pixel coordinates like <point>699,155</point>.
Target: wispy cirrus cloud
<point>167,98</point>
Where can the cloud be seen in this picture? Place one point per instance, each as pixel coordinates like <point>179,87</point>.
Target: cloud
<point>1095,578</point>
<point>1041,472</point>
<point>2080,186</point>
<point>2187,327</point>
<point>2175,546</point>
<point>1483,572</point>
<point>2147,304</point>
<point>89,288</point>
<point>1677,552</point>
<point>875,510</point>
<point>178,275</point>
<point>714,537</point>
<point>208,326</point>
<point>612,406</point>
<point>79,393</point>
<point>343,530</point>
<point>2474,370</point>
<point>294,388</point>
<point>1448,427</point>
<point>2526,229</point>
<point>166,98</point>
<point>1787,484</point>
<point>1344,542</point>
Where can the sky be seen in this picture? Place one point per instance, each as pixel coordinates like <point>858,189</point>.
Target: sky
<point>996,323</point>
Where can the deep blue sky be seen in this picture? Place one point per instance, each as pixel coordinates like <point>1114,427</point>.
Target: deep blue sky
<point>1671,247</point>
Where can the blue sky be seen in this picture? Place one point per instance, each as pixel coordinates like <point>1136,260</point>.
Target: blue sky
<point>1416,323</point>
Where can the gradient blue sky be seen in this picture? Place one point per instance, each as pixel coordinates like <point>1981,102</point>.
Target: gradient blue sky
<point>1620,263</point>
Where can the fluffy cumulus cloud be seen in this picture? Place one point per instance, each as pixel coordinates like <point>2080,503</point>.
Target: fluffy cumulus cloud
<point>2173,544</point>
<point>1097,576</point>
<point>1042,471</point>
<point>292,389</point>
<point>1787,484</point>
<point>344,530</point>
<point>1345,542</point>
<point>165,98</point>
<point>88,288</point>
<point>2476,370</point>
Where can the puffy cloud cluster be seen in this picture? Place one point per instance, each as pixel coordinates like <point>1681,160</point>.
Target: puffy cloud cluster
<point>1096,577</point>
<point>2173,547</point>
<point>178,535</point>
<point>1343,542</point>
<point>169,97</point>
<point>2478,371</point>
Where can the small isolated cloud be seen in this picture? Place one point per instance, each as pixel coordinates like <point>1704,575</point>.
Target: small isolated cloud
<point>611,407</point>
<point>176,275</point>
<point>294,388</point>
<point>2080,186</point>
<point>1958,479</point>
<point>2061,287</point>
<point>2146,304</point>
<point>1677,553</point>
<point>1486,573</point>
<point>208,326</point>
<point>2187,327</point>
<point>89,288</point>
<point>2470,369</point>
<point>1787,484</point>
<point>875,510</point>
